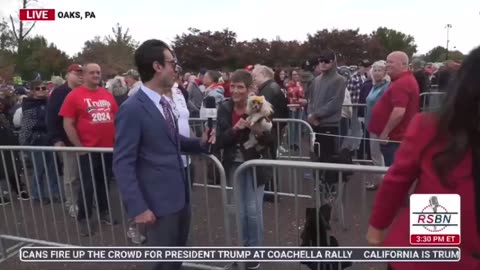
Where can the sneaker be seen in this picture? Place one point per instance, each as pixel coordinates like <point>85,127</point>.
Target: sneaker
<point>252,265</point>
<point>23,195</point>
<point>73,211</point>
<point>105,219</point>
<point>83,227</point>
<point>371,186</point>
<point>4,201</point>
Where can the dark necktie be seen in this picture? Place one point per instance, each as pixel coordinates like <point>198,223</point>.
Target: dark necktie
<point>167,112</point>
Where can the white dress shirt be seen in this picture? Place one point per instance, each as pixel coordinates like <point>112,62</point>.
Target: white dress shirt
<point>182,113</point>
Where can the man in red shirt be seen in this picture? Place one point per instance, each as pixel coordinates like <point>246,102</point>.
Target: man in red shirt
<point>88,119</point>
<point>392,113</point>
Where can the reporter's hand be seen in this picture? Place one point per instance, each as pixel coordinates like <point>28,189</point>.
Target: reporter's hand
<point>146,217</point>
<point>209,138</point>
<point>375,236</point>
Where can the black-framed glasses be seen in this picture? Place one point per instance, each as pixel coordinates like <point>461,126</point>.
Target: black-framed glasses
<point>173,63</point>
<point>41,88</point>
<point>325,61</point>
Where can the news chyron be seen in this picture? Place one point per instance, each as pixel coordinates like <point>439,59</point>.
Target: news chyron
<point>30,14</point>
<point>435,219</point>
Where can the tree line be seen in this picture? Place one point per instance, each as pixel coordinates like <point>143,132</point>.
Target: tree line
<point>22,54</point>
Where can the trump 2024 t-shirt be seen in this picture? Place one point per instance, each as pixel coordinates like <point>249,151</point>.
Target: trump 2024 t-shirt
<point>94,114</point>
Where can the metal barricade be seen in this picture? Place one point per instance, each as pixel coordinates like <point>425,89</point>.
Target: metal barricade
<point>431,101</point>
<point>285,229</point>
<point>49,217</point>
<point>284,128</point>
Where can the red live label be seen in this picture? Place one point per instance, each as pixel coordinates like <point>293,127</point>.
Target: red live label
<point>431,239</point>
<point>37,14</point>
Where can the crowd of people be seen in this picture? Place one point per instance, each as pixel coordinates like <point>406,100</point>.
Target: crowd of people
<point>144,115</point>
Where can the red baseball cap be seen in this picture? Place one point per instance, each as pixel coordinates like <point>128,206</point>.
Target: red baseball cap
<point>74,67</point>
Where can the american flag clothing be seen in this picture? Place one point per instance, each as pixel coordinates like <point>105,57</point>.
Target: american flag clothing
<point>354,85</point>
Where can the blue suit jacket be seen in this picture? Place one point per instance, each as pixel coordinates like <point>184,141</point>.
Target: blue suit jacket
<point>147,161</point>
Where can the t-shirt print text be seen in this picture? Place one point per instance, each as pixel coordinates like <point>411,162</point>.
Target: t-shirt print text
<point>99,110</point>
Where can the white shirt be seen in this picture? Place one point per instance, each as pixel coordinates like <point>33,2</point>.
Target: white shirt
<point>156,97</point>
<point>182,113</point>
<point>134,88</point>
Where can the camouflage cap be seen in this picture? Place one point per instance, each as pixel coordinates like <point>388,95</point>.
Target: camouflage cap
<point>132,73</point>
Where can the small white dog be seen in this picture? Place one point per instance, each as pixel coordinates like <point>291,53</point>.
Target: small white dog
<point>259,112</point>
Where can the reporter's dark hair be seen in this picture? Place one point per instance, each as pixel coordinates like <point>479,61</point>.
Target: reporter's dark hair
<point>147,53</point>
<point>459,118</point>
<point>242,76</point>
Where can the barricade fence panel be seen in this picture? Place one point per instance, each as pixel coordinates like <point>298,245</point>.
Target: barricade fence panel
<point>294,136</point>
<point>88,211</point>
<point>295,220</point>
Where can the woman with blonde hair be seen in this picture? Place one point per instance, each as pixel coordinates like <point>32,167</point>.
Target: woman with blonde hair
<point>381,81</point>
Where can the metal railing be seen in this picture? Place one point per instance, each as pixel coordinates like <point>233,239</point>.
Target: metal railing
<point>251,217</point>
<point>95,216</point>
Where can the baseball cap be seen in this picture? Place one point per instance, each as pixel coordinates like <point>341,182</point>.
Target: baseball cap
<point>74,67</point>
<point>131,72</point>
<point>327,55</point>
<point>365,63</point>
<point>203,71</point>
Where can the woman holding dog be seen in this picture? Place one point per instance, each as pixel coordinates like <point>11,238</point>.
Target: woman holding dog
<point>232,132</point>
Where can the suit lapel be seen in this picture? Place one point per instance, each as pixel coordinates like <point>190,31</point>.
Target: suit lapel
<point>152,110</point>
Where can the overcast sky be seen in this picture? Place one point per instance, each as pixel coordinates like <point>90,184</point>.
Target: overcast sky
<point>424,19</point>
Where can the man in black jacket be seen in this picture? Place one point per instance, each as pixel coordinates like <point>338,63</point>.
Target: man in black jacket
<point>57,134</point>
<point>267,87</point>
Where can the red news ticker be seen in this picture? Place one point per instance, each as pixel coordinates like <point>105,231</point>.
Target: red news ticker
<point>37,14</point>
<point>431,239</point>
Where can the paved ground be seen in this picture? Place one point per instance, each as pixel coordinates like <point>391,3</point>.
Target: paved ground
<point>208,227</point>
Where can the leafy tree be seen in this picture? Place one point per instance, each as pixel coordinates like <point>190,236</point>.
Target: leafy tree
<point>41,58</point>
<point>434,54</point>
<point>114,53</point>
<point>393,40</point>
<point>198,49</point>
<point>7,41</point>
<point>452,55</point>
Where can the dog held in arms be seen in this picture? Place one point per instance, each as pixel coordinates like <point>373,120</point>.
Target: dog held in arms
<point>259,112</point>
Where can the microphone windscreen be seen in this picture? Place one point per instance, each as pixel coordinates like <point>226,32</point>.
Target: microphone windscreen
<point>210,102</point>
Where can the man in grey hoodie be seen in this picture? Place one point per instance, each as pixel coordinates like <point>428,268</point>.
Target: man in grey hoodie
<point>325,104</point>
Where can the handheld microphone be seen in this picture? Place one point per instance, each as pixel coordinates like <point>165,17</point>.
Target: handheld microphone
<point>210,114</point>
<point>434,204</point>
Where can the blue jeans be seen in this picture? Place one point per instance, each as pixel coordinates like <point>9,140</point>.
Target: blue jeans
<point>41,174</point>
<point>294,128</point>
<point>388,152</point>
<point>250,209</point>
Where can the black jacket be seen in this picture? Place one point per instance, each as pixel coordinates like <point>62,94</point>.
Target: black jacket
<point>54,122</point>
<point>33,130</point>
<point>273,94</point>
<point>422,80</point>
<point>227,140</point>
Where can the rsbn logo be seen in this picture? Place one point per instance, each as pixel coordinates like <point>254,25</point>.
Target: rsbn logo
<point>435,219</point>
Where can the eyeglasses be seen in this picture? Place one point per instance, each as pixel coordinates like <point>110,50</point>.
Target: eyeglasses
<point>325,61</point>
<point>174,63</point>
<point>43,88</point>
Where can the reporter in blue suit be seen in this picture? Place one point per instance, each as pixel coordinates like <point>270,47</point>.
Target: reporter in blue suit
<point>147,155</point>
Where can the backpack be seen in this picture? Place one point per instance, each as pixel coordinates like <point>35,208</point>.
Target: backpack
<point>310,234</point>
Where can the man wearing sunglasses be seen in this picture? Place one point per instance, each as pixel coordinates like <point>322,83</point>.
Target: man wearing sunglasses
<point>325,105</point>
